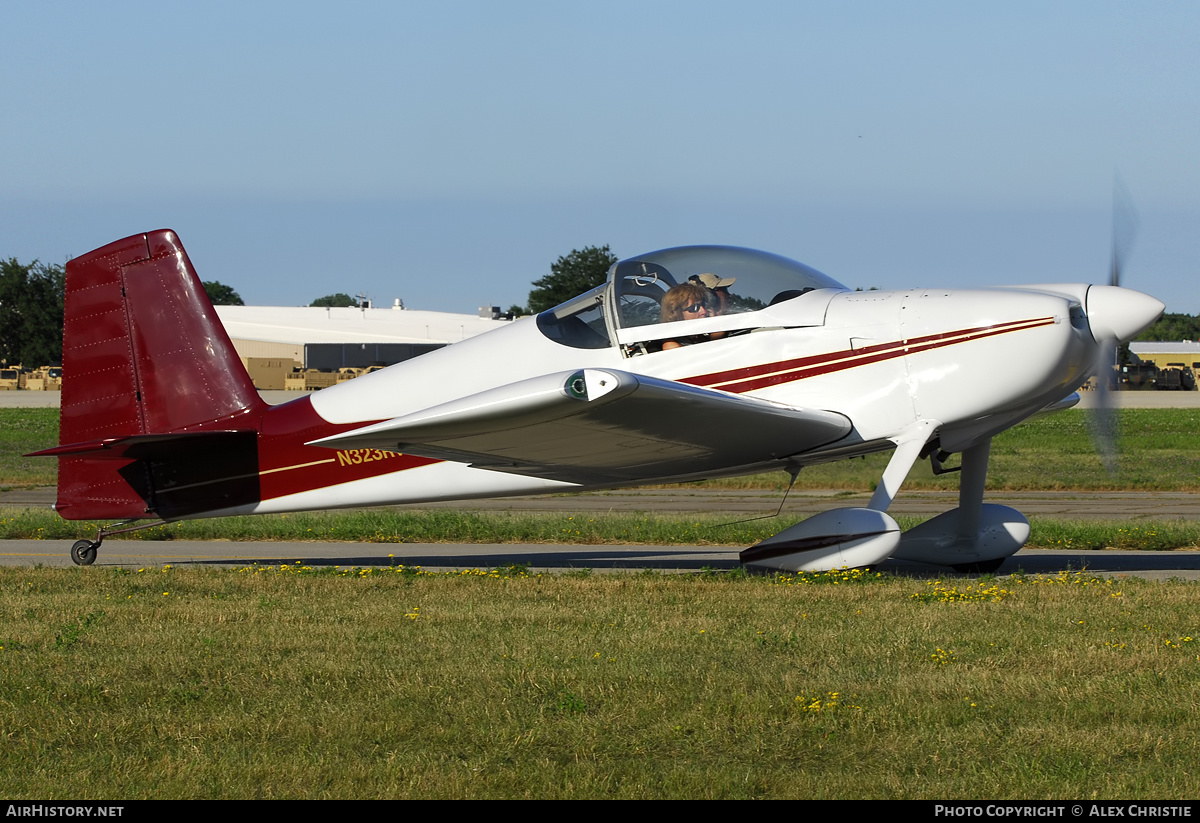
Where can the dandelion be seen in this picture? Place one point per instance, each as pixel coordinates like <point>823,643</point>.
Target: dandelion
<point>943,657</point>
<point>828,703</point>
<point>943,593</point>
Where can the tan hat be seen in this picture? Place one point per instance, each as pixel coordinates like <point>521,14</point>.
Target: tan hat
<point>711,281</point>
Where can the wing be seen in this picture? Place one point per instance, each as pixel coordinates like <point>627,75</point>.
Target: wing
<point>601,426</point>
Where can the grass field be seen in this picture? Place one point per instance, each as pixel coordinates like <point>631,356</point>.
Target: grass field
<point>171,683</point>
<point>326,683</point>
<point>23,431</point>
<point>1160,450</point>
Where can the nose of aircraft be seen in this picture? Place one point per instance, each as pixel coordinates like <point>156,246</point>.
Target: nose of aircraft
<point>1120,314</point>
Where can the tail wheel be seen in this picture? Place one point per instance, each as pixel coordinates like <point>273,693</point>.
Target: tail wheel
<point>83,553</point>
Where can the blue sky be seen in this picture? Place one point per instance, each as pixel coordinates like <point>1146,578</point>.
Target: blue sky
<point>447,152</point>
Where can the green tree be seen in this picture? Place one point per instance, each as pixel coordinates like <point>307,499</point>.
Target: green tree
<point>335,300</point>
<point>1172,328</point>
<point>31,313</point>
<point>221,295</point>
<point>571,275</point>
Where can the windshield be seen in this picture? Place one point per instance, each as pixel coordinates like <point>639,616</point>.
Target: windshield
<point>728,279</point>
<point>579,322</point>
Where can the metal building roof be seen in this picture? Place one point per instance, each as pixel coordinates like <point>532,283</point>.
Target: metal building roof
<point>307,324</point>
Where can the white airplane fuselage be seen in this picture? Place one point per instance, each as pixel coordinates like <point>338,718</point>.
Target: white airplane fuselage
<point>977,361</point>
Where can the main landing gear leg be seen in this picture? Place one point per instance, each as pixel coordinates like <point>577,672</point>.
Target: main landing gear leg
<point>970,488</point>
<point>976,537</point>
<point>908,448</point>
<point>970,504</point>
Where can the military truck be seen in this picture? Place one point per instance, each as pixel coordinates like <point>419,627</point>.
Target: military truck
<point>1176,377</point>
<point>12,378</point>
<point>47,378</point>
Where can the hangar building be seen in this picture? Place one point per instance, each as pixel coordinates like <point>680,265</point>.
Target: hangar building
<point>317,337</point>
<point>1161,355</point>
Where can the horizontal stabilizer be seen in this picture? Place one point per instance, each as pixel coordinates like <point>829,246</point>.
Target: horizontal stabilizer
<point>599,426</point>
<point>138,446</point>
<point>157,475</point>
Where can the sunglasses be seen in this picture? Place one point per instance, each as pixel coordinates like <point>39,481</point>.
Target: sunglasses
<point>695,307</point>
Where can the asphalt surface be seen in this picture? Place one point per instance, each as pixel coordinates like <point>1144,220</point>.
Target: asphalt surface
<point>553,558</point>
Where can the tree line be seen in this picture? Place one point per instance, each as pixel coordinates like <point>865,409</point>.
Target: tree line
<point>31,313</point>
<point>1172,328</point>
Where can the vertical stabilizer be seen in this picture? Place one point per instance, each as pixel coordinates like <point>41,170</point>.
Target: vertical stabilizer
<point>143,353</point>
<point>143,346</point>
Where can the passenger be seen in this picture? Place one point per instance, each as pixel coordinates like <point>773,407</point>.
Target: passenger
<point>686,301</point>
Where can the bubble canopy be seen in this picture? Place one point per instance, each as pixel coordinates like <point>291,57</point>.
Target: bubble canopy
<point>745,279</point>
<point>727,280</point>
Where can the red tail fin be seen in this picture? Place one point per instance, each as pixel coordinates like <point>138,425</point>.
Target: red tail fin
<point>143,353</point>
<point>143,346</point>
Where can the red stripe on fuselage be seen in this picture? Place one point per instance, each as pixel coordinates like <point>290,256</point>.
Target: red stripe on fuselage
<point>287,466</point>
<point>750,378</point>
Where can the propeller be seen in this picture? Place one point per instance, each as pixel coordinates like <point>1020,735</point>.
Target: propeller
<point>1103,308</point>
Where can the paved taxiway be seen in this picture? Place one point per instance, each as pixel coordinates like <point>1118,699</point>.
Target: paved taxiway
<point>446,556</point>
<point>1134,506</point>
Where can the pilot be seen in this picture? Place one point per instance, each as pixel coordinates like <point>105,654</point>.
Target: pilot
<point>686,301</point>
<point>719,286</point>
